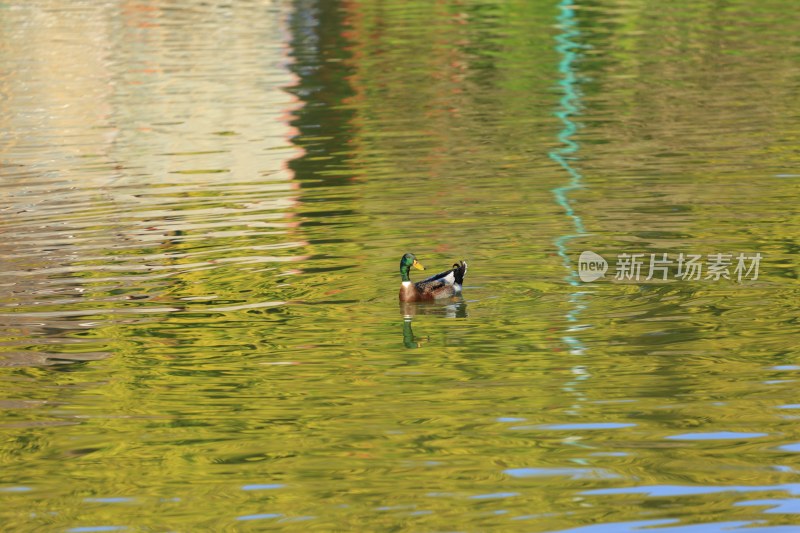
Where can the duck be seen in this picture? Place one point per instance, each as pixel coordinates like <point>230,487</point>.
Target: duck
<point>443,285</point>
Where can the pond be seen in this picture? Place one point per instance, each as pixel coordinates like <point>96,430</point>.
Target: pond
<point>203,206</point>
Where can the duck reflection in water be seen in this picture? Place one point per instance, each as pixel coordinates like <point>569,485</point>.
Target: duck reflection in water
<point>455,307</point>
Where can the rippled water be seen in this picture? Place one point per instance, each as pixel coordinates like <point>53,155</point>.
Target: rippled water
<point>202,210</point>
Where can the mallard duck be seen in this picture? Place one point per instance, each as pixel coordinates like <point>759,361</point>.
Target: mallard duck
<point>442,285</point>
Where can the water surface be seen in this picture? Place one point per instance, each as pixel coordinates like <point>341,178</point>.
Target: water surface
<point>202,210</point>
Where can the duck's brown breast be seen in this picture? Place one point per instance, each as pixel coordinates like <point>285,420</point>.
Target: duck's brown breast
<point>408,293</point>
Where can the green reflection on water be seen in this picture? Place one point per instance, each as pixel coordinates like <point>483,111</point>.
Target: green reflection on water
<point>569,106</point>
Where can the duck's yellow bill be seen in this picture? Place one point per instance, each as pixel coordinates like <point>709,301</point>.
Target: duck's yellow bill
<point>418,265</point>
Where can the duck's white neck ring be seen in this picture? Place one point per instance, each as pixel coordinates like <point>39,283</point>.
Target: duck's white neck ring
<point>406,283</point>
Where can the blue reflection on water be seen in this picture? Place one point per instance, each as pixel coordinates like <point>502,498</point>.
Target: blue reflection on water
<point>15,489</point>
<point>658,491</point>
<point>266,486</point>
<point>570,472</point>
<point>89,529</point>
<point>790,506</point>
<point>587,426</point>
<point>263,516</point>
<point>717,435</point>
<point>651,525</point>
<point>494,496</point>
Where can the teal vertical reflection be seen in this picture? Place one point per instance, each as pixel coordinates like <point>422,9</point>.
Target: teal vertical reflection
<point>567,48</point>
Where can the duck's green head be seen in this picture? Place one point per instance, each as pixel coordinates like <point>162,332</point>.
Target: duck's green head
<point>406,263</point>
